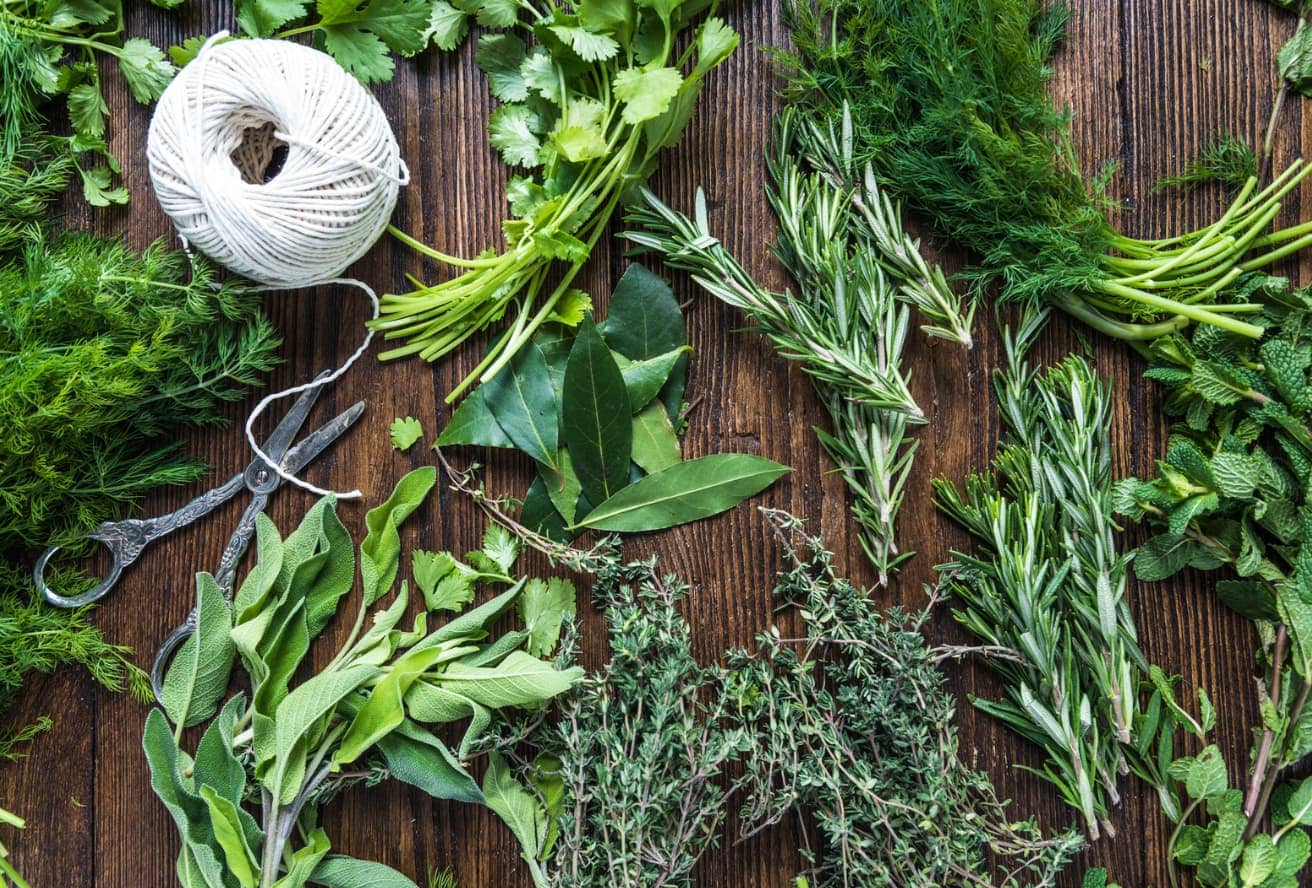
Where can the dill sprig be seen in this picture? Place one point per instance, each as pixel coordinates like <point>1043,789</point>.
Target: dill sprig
<point>950,106</point>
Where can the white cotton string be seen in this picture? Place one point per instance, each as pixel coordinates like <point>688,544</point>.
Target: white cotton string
<point>211,139</point>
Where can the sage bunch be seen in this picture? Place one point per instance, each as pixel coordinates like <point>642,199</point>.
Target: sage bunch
<point>368,715</point>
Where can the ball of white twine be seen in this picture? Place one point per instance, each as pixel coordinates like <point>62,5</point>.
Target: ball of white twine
<point>211,140</point>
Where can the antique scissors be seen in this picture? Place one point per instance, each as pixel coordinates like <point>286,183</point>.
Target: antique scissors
<point>126,539</point>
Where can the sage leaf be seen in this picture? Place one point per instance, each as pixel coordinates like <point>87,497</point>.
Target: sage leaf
<point>686,491</point>
<point>479,618</point>
<point>543,608</point>
<point>518,680</point>
<point>338,871</point>
<point>384,708</point>
<point>329,573</point>
<point>214,756</point>
<point>473,424</point>
<point>515,805</point>
<point>305,861</point>
<point>644,379</point>
<point>281,655</point>
<point>296,720</point>
<point>228,832</point>
<point>198,676</point>
<point>189,812</point>
<point>415,756</point>
<point>595,416</point>
<point>381,550</point>
<point>255,589</point>
<point>431,704</point>
<point>655,444</point>
<point>524,404</point>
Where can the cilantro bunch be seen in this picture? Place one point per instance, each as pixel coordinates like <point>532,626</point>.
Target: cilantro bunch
<point>589,93</point>
<point>50,50</point>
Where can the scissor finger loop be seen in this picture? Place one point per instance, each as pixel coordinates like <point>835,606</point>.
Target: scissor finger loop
<point>164,656</point>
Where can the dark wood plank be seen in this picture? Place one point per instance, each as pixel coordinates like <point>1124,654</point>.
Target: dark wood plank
<point>1147,82</point>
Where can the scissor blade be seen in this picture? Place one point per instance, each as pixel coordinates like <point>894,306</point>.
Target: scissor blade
<point>277,443</point>
<point>319,440</point>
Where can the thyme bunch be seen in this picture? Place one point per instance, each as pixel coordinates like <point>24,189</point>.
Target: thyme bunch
<point>852,726</point>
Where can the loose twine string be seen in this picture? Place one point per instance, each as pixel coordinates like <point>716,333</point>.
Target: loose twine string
<point>213,136</point>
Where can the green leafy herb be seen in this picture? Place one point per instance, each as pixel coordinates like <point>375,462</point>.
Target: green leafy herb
<point>584,111</point>
<point>360,36</point>
<point>984,156</point>
<point>405,433</point>
<point>48,50</point>
<point>593,408</point>
<point>856,270</point>
<point>369,714</point>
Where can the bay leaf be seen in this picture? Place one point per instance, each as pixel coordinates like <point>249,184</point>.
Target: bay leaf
<point>524,403</point>
<point>595,416</point>
<point>655,445</point>
<point>472,424</point>
<point>644,379</point>
<point>686,491</point>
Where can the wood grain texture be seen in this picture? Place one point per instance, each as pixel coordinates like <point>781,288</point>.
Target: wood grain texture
<point>1147,82</point>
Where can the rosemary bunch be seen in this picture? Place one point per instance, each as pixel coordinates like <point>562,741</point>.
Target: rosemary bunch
<point>1047,585</point>
<point>855,270</point>
<point>950,106</point>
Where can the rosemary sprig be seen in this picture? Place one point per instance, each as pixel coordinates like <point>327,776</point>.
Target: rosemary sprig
<point>840,240</point>
<point>1048,582</point>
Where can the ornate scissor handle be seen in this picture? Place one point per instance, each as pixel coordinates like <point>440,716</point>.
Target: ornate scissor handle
<point>126,539</point>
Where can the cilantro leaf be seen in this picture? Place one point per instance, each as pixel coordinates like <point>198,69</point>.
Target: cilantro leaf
<point>405,432</point>
<point>501,56</point>
<point>541,75</point>
<point>511,131</point>
<point>446,584</point>
<point>186,51</point>
<point>543,606</point>
<point>400,24</point>
<point>498,13</point>
<point>447,26</point>
<point>146,69</point>
<point>87,109</point>
<point>716,41</point>
<point>360,52</point>
<point>501,547</point>
<point>260,18</point>
<point>579,134</point>
<point>96,188</point>
<point>589,46</point>
<point>646,93</point>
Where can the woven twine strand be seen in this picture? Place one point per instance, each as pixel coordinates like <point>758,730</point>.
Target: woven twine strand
<point>215,132</point>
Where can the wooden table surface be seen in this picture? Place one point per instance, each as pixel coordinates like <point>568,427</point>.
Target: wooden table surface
<point>1148,82</point>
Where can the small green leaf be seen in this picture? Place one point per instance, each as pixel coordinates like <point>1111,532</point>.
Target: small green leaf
<point>543,608</point>
<point>226,823</point>
<point>1295,59</point>
<point>1300,803</point>
<point>473,424</point>
<point>501,56</point>
<point>655,445</point>
<point>646,92</point>
<point>590,46</point>
<point>198,676</point>
<point>644,379</point>
<point>1258,861</point>
<point>337,871</point>
<point>523,402</point>
<point>595,416</point>
<point>686,491</point>
<point>381,550</point>
<point>512,130</point>
<point>405,432</point>
<point>145,68</point>
<point>643,318</point>
<point>447,26</point>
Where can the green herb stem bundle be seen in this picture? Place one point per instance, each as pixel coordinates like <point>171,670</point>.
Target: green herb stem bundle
<point>856,270</point>
<point>950,106</point>
<point>586,110</point>
<point>1047,587</point>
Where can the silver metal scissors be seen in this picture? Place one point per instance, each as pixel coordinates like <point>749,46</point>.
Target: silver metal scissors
<point>126,539</point>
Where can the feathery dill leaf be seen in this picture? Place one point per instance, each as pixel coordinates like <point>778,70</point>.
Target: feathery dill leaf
<point>1225,160</point>
<point>950,105</point>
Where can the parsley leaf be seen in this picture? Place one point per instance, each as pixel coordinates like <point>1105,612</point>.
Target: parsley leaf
<point>405,432</point>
